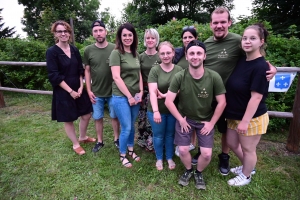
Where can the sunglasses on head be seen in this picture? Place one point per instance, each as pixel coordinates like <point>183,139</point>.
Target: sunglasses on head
<point>188,27</point>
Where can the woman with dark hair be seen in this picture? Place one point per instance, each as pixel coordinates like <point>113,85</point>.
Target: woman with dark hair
<point>65,74</point>
<point>127,88</point>
<point>188,34</point>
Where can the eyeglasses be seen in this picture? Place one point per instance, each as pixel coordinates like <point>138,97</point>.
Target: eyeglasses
<point>188,27</point>
<point>60,32</point>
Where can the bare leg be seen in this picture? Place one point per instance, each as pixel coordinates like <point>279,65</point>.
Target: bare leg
<point>116,128</point>
<point>99,129</point>
<point>83,124</point>
<point>185,156</point>
<point>249,144</point>
<point>204,159</point>
<point>70,131</point>
<point>234,143</point>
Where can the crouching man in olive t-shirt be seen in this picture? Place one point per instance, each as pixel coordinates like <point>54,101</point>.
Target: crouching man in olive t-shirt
<point>196,87</point>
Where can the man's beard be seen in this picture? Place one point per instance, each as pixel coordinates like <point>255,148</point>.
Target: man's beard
<point>100,40</point>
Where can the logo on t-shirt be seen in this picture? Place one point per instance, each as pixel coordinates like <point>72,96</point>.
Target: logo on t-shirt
<point>155,63</point>
<point>203,94</point>
<point>137,62</point>
<point>223,54</point>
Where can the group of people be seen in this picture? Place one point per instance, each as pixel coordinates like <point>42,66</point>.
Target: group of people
<point>175,94</point>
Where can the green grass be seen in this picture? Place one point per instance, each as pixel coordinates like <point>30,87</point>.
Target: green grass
<point>37,162</point>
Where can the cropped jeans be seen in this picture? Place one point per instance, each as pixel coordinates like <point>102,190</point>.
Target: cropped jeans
<point>163,135</point>
<point>127,115</point>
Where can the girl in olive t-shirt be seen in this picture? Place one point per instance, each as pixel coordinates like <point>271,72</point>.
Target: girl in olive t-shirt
<point>161,120</point>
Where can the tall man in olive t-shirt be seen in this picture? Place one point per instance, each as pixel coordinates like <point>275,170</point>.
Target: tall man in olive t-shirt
<point>99,81</point>
<point>223,52</point>
<point>197,87</point>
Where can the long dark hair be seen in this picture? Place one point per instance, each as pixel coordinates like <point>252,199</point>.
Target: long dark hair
<point>119,44</point>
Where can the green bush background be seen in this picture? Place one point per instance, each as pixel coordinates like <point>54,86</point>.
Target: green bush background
<point>281,51</point>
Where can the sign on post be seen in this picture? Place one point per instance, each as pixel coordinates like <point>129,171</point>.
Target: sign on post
<point>282,81</point>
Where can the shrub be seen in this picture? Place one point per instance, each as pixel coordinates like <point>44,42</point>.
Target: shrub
<point>26,50</point>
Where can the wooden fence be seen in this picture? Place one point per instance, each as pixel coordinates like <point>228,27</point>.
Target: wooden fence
<point>294,130</point>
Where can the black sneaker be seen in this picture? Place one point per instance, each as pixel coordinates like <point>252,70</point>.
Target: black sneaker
<point>224,167</point>
<point>116,143</point>
<point>185,178</point>
<point>97,147</point>
<point>195,158</point>
<point>199,181</point>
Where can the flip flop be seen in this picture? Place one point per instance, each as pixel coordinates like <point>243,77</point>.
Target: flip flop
<point>88,140</point>
<point>79,150</point>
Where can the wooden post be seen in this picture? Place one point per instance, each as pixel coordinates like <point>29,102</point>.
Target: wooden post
<point>72,26</point>
<point>294,132</point>
<point>2,102</point>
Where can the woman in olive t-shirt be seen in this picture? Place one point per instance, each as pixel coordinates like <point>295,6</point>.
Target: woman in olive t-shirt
<point>148,59</point>
<point>127,88</point>
<point>161,120</point>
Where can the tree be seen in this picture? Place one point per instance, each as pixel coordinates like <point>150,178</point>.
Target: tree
<point>5,32</point>
<point>142,13</point>
<point>280,13</point>
<point>40,14</point>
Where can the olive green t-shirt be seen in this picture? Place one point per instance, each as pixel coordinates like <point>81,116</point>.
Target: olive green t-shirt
<point>196,95</point>
<point>222,55</point>
<point>163,80</point>
<point>98,60</point>
<point>129,71</point>
<point>147,62</point>
<point>183,63</point>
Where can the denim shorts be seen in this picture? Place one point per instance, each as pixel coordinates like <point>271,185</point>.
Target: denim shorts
<point>98,108</point>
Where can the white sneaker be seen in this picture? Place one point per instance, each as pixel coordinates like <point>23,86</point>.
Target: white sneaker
<point>239,180</point>
<point>239,169</point>
<point>192,147</point>
<point>177,151</point>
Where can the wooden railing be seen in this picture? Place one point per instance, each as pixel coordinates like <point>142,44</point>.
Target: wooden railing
<point>294,130</point>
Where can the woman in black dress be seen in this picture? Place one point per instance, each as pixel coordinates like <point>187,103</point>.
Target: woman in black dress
<point>65,72</point>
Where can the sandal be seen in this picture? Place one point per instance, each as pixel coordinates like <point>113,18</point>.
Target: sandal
<point>159,165</point>
<point>171,164</point>
<point>126,164</point>
<point>134,156</point>
<point>79,150</point>
<point>88,140</point>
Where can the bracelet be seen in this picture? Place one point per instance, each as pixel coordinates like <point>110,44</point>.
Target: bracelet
<point>71,92</point>
<point>155,111</point>
<point>130,98</point>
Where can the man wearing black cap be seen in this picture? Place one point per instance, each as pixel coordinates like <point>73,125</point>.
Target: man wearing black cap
<point>197,87</point>
<point>99,81</point>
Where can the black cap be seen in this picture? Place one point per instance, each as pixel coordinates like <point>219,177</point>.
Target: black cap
<point>98,23</point>
<point>196,43</point>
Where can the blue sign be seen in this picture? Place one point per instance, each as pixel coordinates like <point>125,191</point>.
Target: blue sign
<point>282,81</point>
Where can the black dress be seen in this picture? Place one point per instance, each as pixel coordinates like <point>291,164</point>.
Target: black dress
<point>62,68</point>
